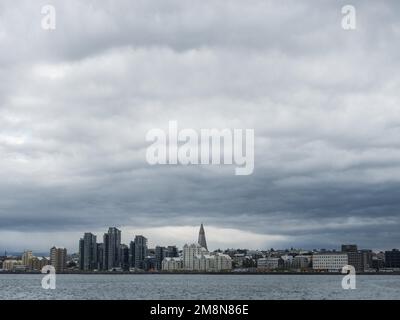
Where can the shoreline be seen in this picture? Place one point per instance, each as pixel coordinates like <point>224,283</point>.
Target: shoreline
<point>210,273</point>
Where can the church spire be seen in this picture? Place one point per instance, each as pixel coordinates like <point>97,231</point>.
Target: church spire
<point>202,237</point>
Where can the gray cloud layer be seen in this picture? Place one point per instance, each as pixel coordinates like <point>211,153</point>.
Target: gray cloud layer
<point>76,103</point>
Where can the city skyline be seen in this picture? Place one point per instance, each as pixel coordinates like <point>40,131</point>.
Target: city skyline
<point>199,235</point>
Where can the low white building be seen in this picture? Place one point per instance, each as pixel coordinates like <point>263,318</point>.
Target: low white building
<point>223,262</point>
<point>268,263</point>
<point>172,264</point>
<point>329,261</point>
<point>197,258</point>
<point>9,265</point>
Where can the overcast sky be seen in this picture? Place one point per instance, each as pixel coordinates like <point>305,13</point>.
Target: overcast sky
<point>76,104</point>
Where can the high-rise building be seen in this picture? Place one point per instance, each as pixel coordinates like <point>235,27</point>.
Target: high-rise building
<point>27,258</point>
<point>202,238</point>
<point>100,256</point>
<point>124,257</point>
<point>132,254</point>
<point>112,244</point>
<point>58,258</point>
<point>160,254</point>
<point>189,254</point>
<point>140,251</point>
<point>105,250</point>
<point>88,252</point>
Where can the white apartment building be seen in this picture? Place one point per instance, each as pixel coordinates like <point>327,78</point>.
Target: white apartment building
<point>197,258</point>
<point>172,264</point>
<point>27,258</point>
<point>332,261</point>
<point>223,262</point>
<point>9,265</point>
<point>189,254</point>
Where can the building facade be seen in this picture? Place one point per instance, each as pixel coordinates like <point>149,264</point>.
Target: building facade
<point>88,252</point>
<point>172,264</point>
<point>112,244</point>
<point>333,262</point>
<point>140,251</point>
<point>392,259</point>
<point>58,258</point>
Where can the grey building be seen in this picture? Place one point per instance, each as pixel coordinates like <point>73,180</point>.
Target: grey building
<point>112,244</point>
<point>105,251</point>
<point>140,251</point>
<point>172,252</point>
<point>88,252</point>
<point>160,254</point>
<point>124,256</point>
<point>392,258</point>
<point>132,254</point>
<point>100,256</point>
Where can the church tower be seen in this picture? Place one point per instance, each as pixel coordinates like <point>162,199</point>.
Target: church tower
<point>202,238</point>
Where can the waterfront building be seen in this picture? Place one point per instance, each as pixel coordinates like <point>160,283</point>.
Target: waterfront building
<point>189,253</point>
<point>355,259</point>
<point>392,259</point>
<point>367,259</point>
<point>223,262</point>
<point>37,263</point>
<point>100,256</point>
<point>132,254</point>
<point>112,243</point>
<point>9,265</point>
<point>268,263</point>
<point>26,258</point>
<point>160,254</point>
<point>329,261</point>
<point>124,254</point>
<point>88,252</point>
<point>238,259</point>
<point>172,264</point>
<point>197,258</point>
<point>287,261</point>
<point>301,262</point>
<point>58,258</point>
<point>105,250</point>
<point>149,263</point>
<point>140,251</point>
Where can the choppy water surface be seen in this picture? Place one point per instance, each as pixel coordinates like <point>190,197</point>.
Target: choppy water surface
<point>179,287</point>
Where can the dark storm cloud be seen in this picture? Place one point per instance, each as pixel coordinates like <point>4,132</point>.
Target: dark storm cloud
<point>76,103</point>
